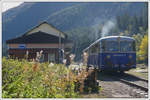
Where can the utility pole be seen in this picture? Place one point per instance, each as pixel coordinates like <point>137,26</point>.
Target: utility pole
<point>59,51</point>
<point>59,40</point>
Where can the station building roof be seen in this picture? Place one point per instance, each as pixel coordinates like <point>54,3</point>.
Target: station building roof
<point>41,33</point>
<point>37,37</point>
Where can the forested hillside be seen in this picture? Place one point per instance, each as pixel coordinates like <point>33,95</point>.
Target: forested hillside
<point>65,16</point>
<point>83,22</point>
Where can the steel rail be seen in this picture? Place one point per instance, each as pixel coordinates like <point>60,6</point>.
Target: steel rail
<point>131,83</point>
<point>135,85</point>
<point>142,79</point>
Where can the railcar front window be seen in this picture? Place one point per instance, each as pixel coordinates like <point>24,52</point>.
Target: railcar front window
<point>111,46</point>
<point>126,46</point>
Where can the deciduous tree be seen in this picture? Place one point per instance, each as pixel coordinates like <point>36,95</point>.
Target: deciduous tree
<point>144,49</point>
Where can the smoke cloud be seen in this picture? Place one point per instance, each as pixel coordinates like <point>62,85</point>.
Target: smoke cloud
<point>100,30</point>
<point>108,26</point>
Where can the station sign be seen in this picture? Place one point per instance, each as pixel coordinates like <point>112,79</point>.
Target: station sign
<point>22,46</point>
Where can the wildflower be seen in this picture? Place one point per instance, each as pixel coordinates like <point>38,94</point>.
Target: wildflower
<point>51,64</point>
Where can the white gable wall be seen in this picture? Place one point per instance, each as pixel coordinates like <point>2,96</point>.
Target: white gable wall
<point>47,29</point>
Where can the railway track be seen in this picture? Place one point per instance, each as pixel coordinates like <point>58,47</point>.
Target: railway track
<point>122,85</point>
<point>137,88</point>
<point>135,77</point>
<point>135,85</point>
<point>135,81</point>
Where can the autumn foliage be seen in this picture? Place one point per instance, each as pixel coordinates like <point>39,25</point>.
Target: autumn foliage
<point>23,79</point>
<point>144,49</point>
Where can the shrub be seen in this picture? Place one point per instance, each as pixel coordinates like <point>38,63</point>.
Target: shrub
<point>23,79</point>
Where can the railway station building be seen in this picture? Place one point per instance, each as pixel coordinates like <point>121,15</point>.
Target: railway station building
<point>43,37</point>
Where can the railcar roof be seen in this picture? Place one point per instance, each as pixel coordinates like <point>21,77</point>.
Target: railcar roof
<point>111,38</point>
<point>114,37</point>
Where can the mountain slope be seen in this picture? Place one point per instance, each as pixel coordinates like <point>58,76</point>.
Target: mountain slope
<point>87,14</point>
<point>65,16</point>
<point>22,18</point>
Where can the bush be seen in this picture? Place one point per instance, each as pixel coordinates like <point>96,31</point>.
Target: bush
<point>23,79</point>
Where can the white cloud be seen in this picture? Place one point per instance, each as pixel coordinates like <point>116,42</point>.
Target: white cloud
<point>9,5</point>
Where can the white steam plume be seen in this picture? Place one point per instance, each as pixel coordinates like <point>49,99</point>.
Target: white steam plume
<point>107,27</point>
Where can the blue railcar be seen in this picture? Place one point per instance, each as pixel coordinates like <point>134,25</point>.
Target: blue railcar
<point>112,53</point>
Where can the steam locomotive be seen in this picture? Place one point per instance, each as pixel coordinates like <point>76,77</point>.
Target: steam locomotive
<point>111,53</point>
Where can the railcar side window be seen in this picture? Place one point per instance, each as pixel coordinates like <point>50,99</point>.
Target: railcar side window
<point>102,46</point>
<point>111,46</point>
<point>95,48</point>
<point>127,46</point>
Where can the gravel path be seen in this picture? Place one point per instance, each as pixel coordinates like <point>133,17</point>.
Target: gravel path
<point>133,79</point>
<point>115,88</point>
